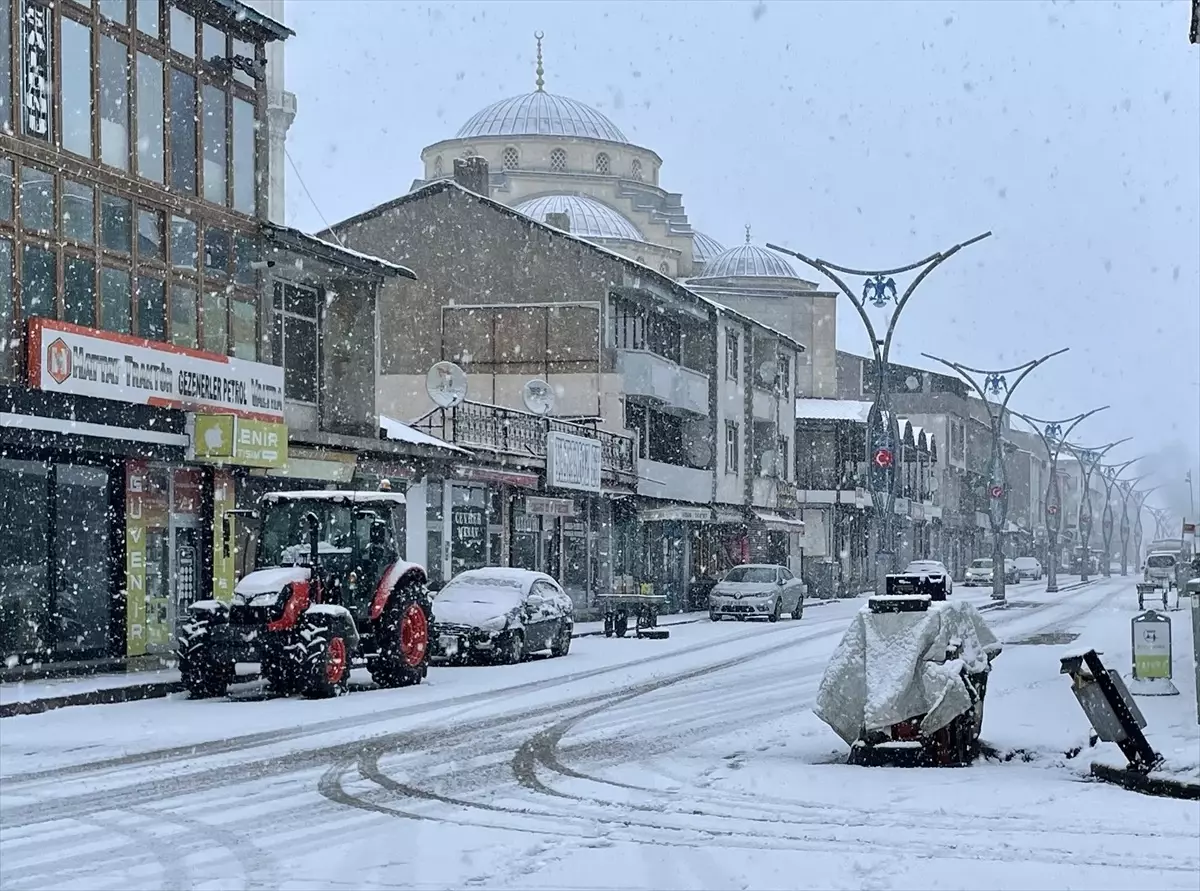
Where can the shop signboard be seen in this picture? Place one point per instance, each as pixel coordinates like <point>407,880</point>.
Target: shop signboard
<point>1151,646</point>
<point>245,441</point>
<point>551,507</point>
<point>135,559</point>
<point>223,566</point>
<point>468,529</point>
<point>573,462</point>
<point>36,84</point>
<point>66,358</point>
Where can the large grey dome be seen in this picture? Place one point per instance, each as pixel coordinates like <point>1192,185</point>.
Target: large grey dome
<point>540,114</point>
<point>704,247</point>
<point>747,261</point>
<point>589,218</point>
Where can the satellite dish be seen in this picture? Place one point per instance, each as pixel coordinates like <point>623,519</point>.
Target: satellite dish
<point>768,371</point>
<point>766,463</point>
<point>912,382</point>
<point>538,397</point>
<point>446,384</point>
<point>699,452</point>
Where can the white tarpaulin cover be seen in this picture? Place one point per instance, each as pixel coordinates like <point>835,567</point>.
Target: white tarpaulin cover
<point>890,667</point>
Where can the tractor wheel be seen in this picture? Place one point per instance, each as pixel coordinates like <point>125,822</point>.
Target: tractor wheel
<point>283,675</point>
<point>326,660</point>
<point>403,639</point>
<point>620,624</point>
<point>562,643</point>
<point>203,676</point>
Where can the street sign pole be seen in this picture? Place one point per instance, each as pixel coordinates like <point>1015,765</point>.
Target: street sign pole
<point>1195,598</point>
<point>1150,634</point>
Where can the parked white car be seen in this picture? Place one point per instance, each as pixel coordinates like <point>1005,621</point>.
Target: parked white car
<point>1029,568</point>
<point>979,572</point>
<point>933,570</point>
<point>757,590</point>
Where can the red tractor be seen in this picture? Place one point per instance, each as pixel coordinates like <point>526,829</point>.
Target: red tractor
<point>328,592</point>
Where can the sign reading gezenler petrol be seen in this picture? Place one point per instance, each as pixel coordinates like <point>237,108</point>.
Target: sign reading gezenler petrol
<point>573,462</point>
<point>71,359</point>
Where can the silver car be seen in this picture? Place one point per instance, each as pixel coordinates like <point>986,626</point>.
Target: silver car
<point>757,590</point>
<point>934,570</point>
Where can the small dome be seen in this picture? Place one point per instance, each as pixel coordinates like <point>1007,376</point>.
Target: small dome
<point>704,247</point>
<point>540,114</point>
<point>747,261</point>
<point>589,218</point>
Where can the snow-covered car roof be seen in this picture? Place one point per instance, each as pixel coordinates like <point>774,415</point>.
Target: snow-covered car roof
<point>344,496</point>
<point>937,563</point>
<point>522,577</point>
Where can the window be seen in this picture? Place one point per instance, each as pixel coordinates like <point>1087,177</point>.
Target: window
<point>147,17</point>
<point>77,87</point>
<point>37,199</point>
<point>636,169</point>
<point>183,243</point>
<point>635,420</point>
<point>183,32</point>
<point>629,326</point>
<point>213,44</point>
<point>732,447</point>
<point>511,159</point>
<point>214,322</point>
<point>150,239</point>
<point>247,253</point>
<point>37,72</point>
<point>114,300</point>
<point>78,212</point>
<point>603,166</point>
<point>665,435</point>
<point>114,103</point>
<point>437,166</point>
<point>5,73</point>
<point>664,336</point>
<point>243,50</point>
<point>114,9</point>
<point>664,268</point>
<point>731,356</point>
<point>183,130</point>
<point>183,316</point>
<point>6,187</point>
<point>244,165</point>
<point>6,297</point>
<point>295,336</point>
<point>116,224</point>
<point>785,374</point>
<point>79,291</point>
<point>244,321</point>
<point>150,117</point>
<point>558,161</point>
<point>151,308</point>
<point>781,445</point>
<point>38,281</point>
<point>216,252</point>
<point>215,145</point>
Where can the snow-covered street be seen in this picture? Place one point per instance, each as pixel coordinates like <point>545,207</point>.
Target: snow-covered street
<point>689,763</point>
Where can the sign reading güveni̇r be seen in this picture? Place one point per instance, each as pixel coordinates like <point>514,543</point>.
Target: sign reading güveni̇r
<point>87,362</point>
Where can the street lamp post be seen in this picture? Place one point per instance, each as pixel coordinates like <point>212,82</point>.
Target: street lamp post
<point>996,382</point>
<point>1110,475</point>
<point>1127,488</point>
<point>1089,460</point>
<point>1137,522</point>
<point>883,432</point>
<point>1053,434</point>
<point>1162,528</point>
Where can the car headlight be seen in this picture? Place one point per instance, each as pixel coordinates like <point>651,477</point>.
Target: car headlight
<point>496,623</point>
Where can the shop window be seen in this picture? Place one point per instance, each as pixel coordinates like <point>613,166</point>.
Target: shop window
<point>244,163</point>
<point>116,10</point>
<point>116,224</point>
<point>115,300</point>
<point>216,252</point>
<point>295,340</point>
<point>79,292</point>
<point>215,145</point>
<point>183,129</point>
<point>148,13</point>
<point>114,102</point>
<point>38,281</point>
<point>82,601</point>
<point>150,117</point>
<point>6,307</point>
<point>733,448</point>
<point>6,186</point>
<point>5,67</point>
<point>150,235</point>
<point>183,316</point>
<point>213,44</point>
<point>214,322</point>
<point>183,243</point>
<point>732,364</point>
<point>243,50</point>
<point>76,87</point>
<point>24,557</point>
<point>37,70</point>
<point>78,212</point>
<point>151,308</point>
<point>468,529</point>
<point>244,320</point>
<point>183,32</point>
<point>37,199</point>
<point>558,161</point>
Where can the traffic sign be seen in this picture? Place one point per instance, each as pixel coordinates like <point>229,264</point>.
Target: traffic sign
<point>996,491</point>
<point>883,457</point>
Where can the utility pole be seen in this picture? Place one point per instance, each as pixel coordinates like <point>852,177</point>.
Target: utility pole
<point>882,445</point>
<point>1053,434</point>
<point>996,383</point>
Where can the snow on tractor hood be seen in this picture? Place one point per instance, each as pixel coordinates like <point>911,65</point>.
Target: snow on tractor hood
<point>890,667</point>
<point>271,581</point>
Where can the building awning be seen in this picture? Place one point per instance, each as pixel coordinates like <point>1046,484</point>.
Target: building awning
<point>728,516</point>
<point>778,522</point>
<point>676,513</point>
<point>398,431</point>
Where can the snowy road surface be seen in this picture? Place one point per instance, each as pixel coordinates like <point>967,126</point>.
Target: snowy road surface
<point>689,763</point>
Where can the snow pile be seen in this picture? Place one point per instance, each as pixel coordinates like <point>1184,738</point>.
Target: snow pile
<point>890,667</point>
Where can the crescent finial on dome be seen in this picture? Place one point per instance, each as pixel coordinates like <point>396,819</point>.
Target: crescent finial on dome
<point>540,70</point>
<point>747,233</point>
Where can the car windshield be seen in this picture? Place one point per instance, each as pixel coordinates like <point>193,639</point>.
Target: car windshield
<point>1026,562</point>
<point>751,575</point>
<point>1161,561</point>
<point>284,540</point>
<point>503,592</point>
<point>981,563</point>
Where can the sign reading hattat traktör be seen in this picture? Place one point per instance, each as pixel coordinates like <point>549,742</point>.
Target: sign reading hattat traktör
<point>68,358</point>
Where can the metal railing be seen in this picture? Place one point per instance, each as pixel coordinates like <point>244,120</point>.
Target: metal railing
<point>522,433</point>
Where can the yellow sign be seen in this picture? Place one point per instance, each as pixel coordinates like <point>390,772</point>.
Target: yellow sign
<point>135,560</point>
<point>223,567</point>
<point>232,440</point>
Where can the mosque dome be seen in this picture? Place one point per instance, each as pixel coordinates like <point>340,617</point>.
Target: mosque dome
<point>704,247</point>
<point>589,218</point>
<point>747,261</point>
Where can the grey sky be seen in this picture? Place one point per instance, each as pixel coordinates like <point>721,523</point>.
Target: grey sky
<point>863,133</point>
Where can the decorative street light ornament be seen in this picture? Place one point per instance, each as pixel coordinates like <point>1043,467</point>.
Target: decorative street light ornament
<point>883,458</point>
<point>1054,431</point>
<point>996,491</point>
<point>879,290</point>
<point>1052,509</point>
<point>995,384</point>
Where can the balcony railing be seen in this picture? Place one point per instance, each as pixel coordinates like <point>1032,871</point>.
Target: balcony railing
<point>513,432</point>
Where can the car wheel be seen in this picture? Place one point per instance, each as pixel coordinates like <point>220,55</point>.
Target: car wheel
<point>798,612</point>
<point>562,643</point>
<point>777,612</point>
<point>714,616</point>
<point>513,650</point>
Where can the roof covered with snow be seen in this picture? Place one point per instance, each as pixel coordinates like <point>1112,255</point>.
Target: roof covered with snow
<point>336,252</point>
<point>398,431</point>
<point>832,410</point>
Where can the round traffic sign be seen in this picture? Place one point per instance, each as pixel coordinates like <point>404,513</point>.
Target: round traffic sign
<point>1051,509</point>
<point>996,491</point>
<point>883,457</point>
